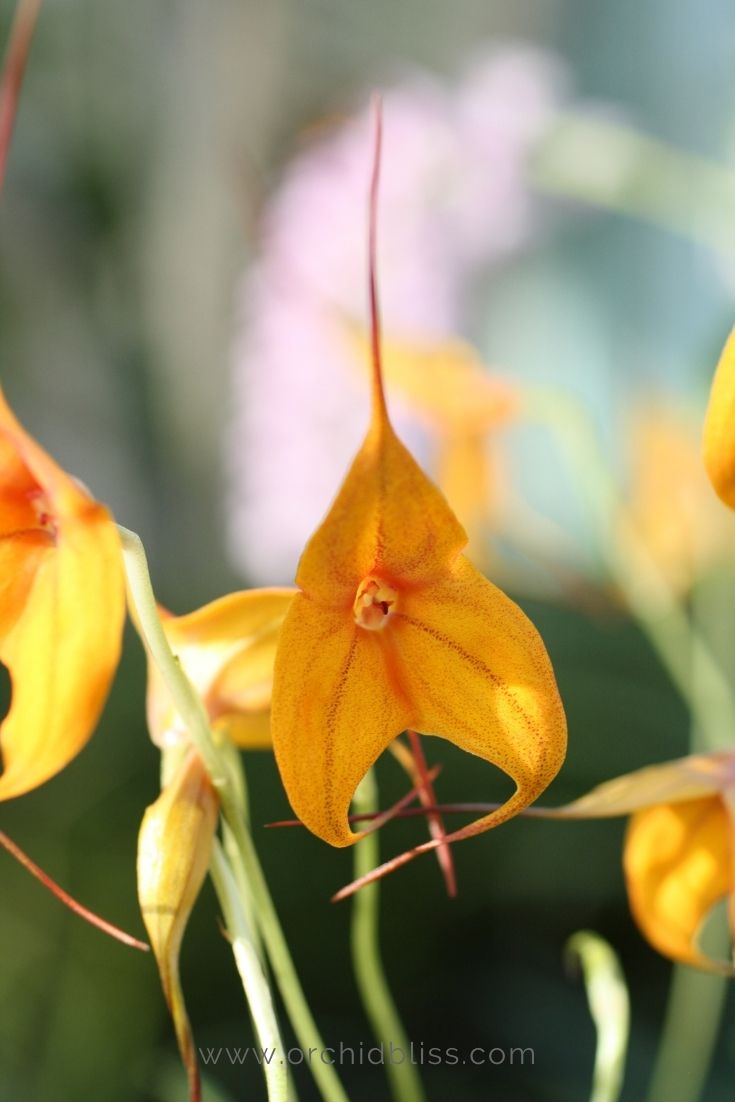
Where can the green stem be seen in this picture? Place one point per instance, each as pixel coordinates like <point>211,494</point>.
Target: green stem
<point>237,772</point>
<point>298,1011</point>
<point>147,621</point>
<point>254,981</point>
<point>244,857</point>
<point>693,1013</point>
<point>696,999</point>
<point>368,966</point>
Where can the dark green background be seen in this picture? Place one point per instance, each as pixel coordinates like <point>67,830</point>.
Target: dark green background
<point>120,367</point>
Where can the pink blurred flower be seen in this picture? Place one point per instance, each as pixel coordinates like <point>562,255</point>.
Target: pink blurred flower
<point>454,202</point>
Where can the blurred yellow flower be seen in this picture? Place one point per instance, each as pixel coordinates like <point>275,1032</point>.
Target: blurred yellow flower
<point>719,427</point>
<point>226,649</point>
<point>62,608</point>
<point>679,856</point>
<point>394,629</point>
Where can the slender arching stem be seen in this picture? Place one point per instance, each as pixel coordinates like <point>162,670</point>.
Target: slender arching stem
<point>696,1000</point>
<point>243,858</point>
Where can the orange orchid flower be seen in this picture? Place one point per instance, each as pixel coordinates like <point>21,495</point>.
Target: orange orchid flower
<point>62,608</point>
<point>719,426</point>
<point>226,649</point>
<point>679,856</point>
<point>393,629</point>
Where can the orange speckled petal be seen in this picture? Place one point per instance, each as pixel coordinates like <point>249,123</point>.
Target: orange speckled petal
<point>388,518</point>
<point>477,673</point>
<point>335,709</point>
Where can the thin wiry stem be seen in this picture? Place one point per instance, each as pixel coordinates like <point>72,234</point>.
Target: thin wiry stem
<point>68,900</point>
<point>368,966</point>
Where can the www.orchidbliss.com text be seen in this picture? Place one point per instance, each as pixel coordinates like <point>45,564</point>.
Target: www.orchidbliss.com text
<point>356,1055</point>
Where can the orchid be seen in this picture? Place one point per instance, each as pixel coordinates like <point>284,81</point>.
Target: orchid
<point>394,629</point>
<point>679,856</point>
<point>62,607</point>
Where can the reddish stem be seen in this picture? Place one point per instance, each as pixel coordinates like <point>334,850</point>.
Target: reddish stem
<point>404,858</point>
<point>443,809</point>
<point>378,390</point>
<point>19,44</point>
<point>66,899</point>
<point>378,818</point>
<point>436,823</point>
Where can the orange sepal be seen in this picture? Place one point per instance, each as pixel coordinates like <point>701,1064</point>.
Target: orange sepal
<point>388,518</point>
<point>335,709</point>
<point>477,673</point>
<point>63,607</point>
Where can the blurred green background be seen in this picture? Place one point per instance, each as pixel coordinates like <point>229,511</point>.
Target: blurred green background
<point>125,226</point>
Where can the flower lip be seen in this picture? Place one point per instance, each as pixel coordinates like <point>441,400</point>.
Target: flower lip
<point>375,601</point>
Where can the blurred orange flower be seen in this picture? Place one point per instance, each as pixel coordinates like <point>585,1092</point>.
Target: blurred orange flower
<point>394,629</point>
<point>62,608</point>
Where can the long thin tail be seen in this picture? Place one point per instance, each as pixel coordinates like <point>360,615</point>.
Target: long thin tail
<point>380,412</point>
